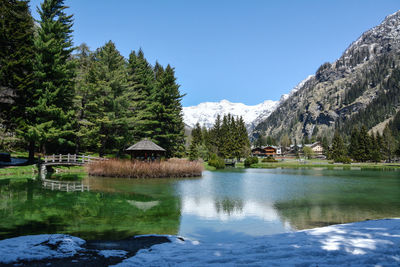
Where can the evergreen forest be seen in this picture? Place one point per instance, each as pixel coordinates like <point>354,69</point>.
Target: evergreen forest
<point>57,98</point>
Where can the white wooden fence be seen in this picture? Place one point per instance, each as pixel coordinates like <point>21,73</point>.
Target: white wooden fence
<point>64,185</point>
<point>70,158</point>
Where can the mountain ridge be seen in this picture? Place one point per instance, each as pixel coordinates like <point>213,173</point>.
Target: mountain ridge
<point>361,87</point>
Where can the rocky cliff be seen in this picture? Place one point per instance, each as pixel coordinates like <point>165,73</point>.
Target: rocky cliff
<point>361,87</point>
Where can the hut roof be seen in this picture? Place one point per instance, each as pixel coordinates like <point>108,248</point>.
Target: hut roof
<point>145,145</point>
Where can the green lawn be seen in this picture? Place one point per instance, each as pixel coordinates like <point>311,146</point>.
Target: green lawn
<point>316,163</point>
<point>18,172</point>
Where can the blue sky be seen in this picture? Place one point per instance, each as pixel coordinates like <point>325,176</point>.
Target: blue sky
<point>244,51</point>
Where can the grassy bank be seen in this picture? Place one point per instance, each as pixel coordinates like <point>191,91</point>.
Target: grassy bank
<point>320,164</point>
<point>18,172</point>
<point>140,169</point>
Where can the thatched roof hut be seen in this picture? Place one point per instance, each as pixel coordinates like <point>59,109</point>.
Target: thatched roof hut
<point>145,150</point>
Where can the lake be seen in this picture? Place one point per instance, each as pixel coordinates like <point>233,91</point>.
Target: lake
<point>221,206</point>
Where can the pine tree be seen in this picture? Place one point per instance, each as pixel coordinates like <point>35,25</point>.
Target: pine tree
<point>52,117</point>
<point>354,149</point>
<point>167,108</point>
<point>85,88</point>
<point>376,155</point>
<point>142,78</point>
<point>107,106</point>
<point>197,141</point>
<point>16,67</point>
<point>243,139</point>
<point>338,150</point>
<point>389,144</point>
<point>364,145</point>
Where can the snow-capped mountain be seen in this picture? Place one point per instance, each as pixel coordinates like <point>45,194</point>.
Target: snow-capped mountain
<point>206,113</point>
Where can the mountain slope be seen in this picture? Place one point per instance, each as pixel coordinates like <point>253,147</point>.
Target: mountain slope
<point>361,87</point>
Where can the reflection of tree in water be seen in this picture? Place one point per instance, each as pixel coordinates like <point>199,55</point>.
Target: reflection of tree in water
<point>229,206</point>
<point>305,214</point>
<point>26,208</point>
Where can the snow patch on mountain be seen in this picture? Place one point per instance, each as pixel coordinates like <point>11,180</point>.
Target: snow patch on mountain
<point>206,113</point>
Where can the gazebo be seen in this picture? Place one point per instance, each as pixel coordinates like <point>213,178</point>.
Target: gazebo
<point>146,150</point>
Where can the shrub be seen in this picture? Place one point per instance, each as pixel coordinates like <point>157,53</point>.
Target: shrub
<point>269,159</point>
<point>216,162</point>
<point>343,159</point>
<point>250,160</point>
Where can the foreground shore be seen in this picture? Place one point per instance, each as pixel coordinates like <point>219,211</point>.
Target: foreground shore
<point>367,243</point>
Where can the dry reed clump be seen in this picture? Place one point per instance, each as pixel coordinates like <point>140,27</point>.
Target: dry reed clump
<point>173,168</point>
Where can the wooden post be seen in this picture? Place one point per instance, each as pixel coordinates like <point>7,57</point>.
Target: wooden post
<point>60,159</point>
<point>54,157</point>
<point>68,158</point>
<point>52,186</point>
<point>67,187</point>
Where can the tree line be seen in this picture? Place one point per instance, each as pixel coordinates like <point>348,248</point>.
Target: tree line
<point>56,98</point>
<point>227,139</point>
<point>363,146</point>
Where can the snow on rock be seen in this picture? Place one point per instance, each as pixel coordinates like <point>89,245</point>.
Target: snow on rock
<point>112,253</point>
<point>368,243</point>
<point>38,247</point>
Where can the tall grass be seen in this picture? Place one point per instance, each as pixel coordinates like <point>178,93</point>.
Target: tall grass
<point>140,169</point>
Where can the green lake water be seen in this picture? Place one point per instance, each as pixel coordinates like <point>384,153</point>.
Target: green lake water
<point>220,206</point>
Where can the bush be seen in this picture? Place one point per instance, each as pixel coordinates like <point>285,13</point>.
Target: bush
<point>216,162</point>
<point>269,159</point>
<point>343,159</point>
<point>250,160</point>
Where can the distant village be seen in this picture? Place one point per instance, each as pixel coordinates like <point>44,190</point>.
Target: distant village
<point>314,150</point>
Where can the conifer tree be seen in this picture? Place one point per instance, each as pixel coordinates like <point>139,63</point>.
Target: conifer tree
<point>389,144</point>
<point>52,117</point>
<point>364,145</point>
<point>197,141</point>
<point>243,139</point>
<point>16,67</point>
<point>85,93</point>
<point>375,154</point>
<point>338,150</point>
<point>108,100</point>
<point>142,78</point>
<point>167,108</point>
<point>354,149</point>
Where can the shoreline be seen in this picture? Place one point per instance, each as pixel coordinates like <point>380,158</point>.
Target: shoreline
<point>369,242</point>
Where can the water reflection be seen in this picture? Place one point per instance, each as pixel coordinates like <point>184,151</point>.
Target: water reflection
<point>27,208</point>
<point>220,206</point>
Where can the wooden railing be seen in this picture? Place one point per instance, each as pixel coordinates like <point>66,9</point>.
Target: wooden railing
<point>230,162</point>
<point>70,158</point>
<point>64,185</point>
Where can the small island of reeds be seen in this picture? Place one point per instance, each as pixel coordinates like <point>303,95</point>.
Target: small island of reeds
<point>172,168</point>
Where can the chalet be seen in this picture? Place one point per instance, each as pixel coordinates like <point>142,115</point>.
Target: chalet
<point>270,151</point>
<point>258,152</point>
<point>266,151</point>
<point>316,148</point>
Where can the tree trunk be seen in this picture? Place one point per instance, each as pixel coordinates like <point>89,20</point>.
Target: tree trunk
<point>31,149</point>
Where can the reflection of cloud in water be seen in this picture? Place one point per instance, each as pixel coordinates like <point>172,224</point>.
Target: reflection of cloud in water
<point>143,205</point>
<point>210,209</point>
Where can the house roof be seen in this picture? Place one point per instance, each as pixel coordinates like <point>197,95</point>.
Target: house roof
<point>145,145</point>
